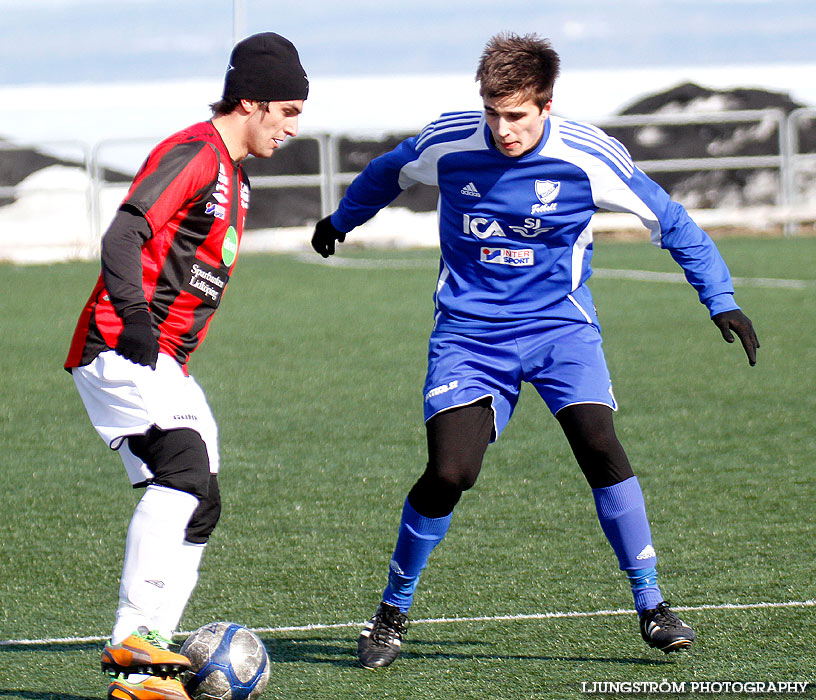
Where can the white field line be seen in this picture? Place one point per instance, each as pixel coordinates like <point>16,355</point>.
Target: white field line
<point>678,277</point>
<point>601,273</point>
<point>367,263</point>
<point>447,620</point>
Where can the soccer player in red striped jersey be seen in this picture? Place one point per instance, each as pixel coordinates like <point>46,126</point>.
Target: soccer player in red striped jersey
<point>167,258</point>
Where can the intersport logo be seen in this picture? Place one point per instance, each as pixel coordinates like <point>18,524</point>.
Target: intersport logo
<point>523,257</point>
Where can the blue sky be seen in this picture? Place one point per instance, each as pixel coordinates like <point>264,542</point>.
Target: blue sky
<point>63,41</point>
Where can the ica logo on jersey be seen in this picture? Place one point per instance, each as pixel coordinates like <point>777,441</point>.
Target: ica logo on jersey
<point>546,191</point>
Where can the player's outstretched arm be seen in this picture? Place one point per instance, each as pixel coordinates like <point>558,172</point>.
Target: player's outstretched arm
<point>738,322</point>
<point>325,236</point>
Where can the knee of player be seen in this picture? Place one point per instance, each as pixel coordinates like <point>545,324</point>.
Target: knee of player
<point>604,447</point>
<point>466,481</point>
<point>457,476</point>
<point>178,459</point>
<point>206,515</point>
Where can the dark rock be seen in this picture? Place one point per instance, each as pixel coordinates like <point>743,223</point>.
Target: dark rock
<point>713,188</point>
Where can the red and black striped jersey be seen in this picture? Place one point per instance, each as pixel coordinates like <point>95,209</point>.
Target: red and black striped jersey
<point>195,200</point>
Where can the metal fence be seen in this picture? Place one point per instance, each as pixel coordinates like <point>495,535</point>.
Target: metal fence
<point>792,164</point>
<point>788,161</point>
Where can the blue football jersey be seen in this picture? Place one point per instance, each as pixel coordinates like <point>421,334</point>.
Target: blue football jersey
<point>515,233</point>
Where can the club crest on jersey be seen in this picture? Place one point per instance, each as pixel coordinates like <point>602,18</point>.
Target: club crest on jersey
<point>546,191</point>
<point>507,256</point>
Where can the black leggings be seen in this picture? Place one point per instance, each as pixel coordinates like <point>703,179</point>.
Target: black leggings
<point>458,438</point>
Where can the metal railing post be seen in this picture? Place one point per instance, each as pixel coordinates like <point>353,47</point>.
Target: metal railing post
<point>333,162</point>
<point>327,172</point>
<point>787,147</point>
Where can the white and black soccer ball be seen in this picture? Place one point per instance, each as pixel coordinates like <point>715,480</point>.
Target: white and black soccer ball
<point>228,662</point>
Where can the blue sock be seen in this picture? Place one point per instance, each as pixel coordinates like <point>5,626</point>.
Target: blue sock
<point>644,588</point>
<point>622,514</point>
<point>417,537</point>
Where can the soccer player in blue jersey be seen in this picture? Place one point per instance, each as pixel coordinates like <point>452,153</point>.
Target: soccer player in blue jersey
<point>517,189</point>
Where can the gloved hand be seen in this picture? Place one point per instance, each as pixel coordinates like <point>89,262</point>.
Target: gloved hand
<point>738,322</point>
<point>324,237</point>
<point>137,342</point>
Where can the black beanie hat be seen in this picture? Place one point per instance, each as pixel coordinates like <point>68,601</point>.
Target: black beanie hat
<point>265,67</point>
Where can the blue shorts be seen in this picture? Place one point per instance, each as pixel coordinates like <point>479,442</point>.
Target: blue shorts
<point>561,357</point>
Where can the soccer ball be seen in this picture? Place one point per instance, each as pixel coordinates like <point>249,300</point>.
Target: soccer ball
<point>228,662</point>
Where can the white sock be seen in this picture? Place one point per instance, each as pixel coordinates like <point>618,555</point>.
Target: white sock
<point>154,539</point>
<point>179,589</point>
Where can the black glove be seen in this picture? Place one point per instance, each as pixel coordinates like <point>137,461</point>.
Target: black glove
<point>324,237</point>
<point>137,342</point>
<point>738,322</point>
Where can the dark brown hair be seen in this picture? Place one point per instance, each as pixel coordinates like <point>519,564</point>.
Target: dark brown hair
<point>227,105</point>
<point>512,63</point>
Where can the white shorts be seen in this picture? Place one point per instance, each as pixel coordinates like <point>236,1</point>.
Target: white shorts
<point>123,399</point>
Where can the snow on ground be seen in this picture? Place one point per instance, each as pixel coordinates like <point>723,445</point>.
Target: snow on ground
<point>49,223</point>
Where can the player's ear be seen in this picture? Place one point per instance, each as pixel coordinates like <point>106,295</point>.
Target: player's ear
<point>545,110</point>
<point>249,106</point>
